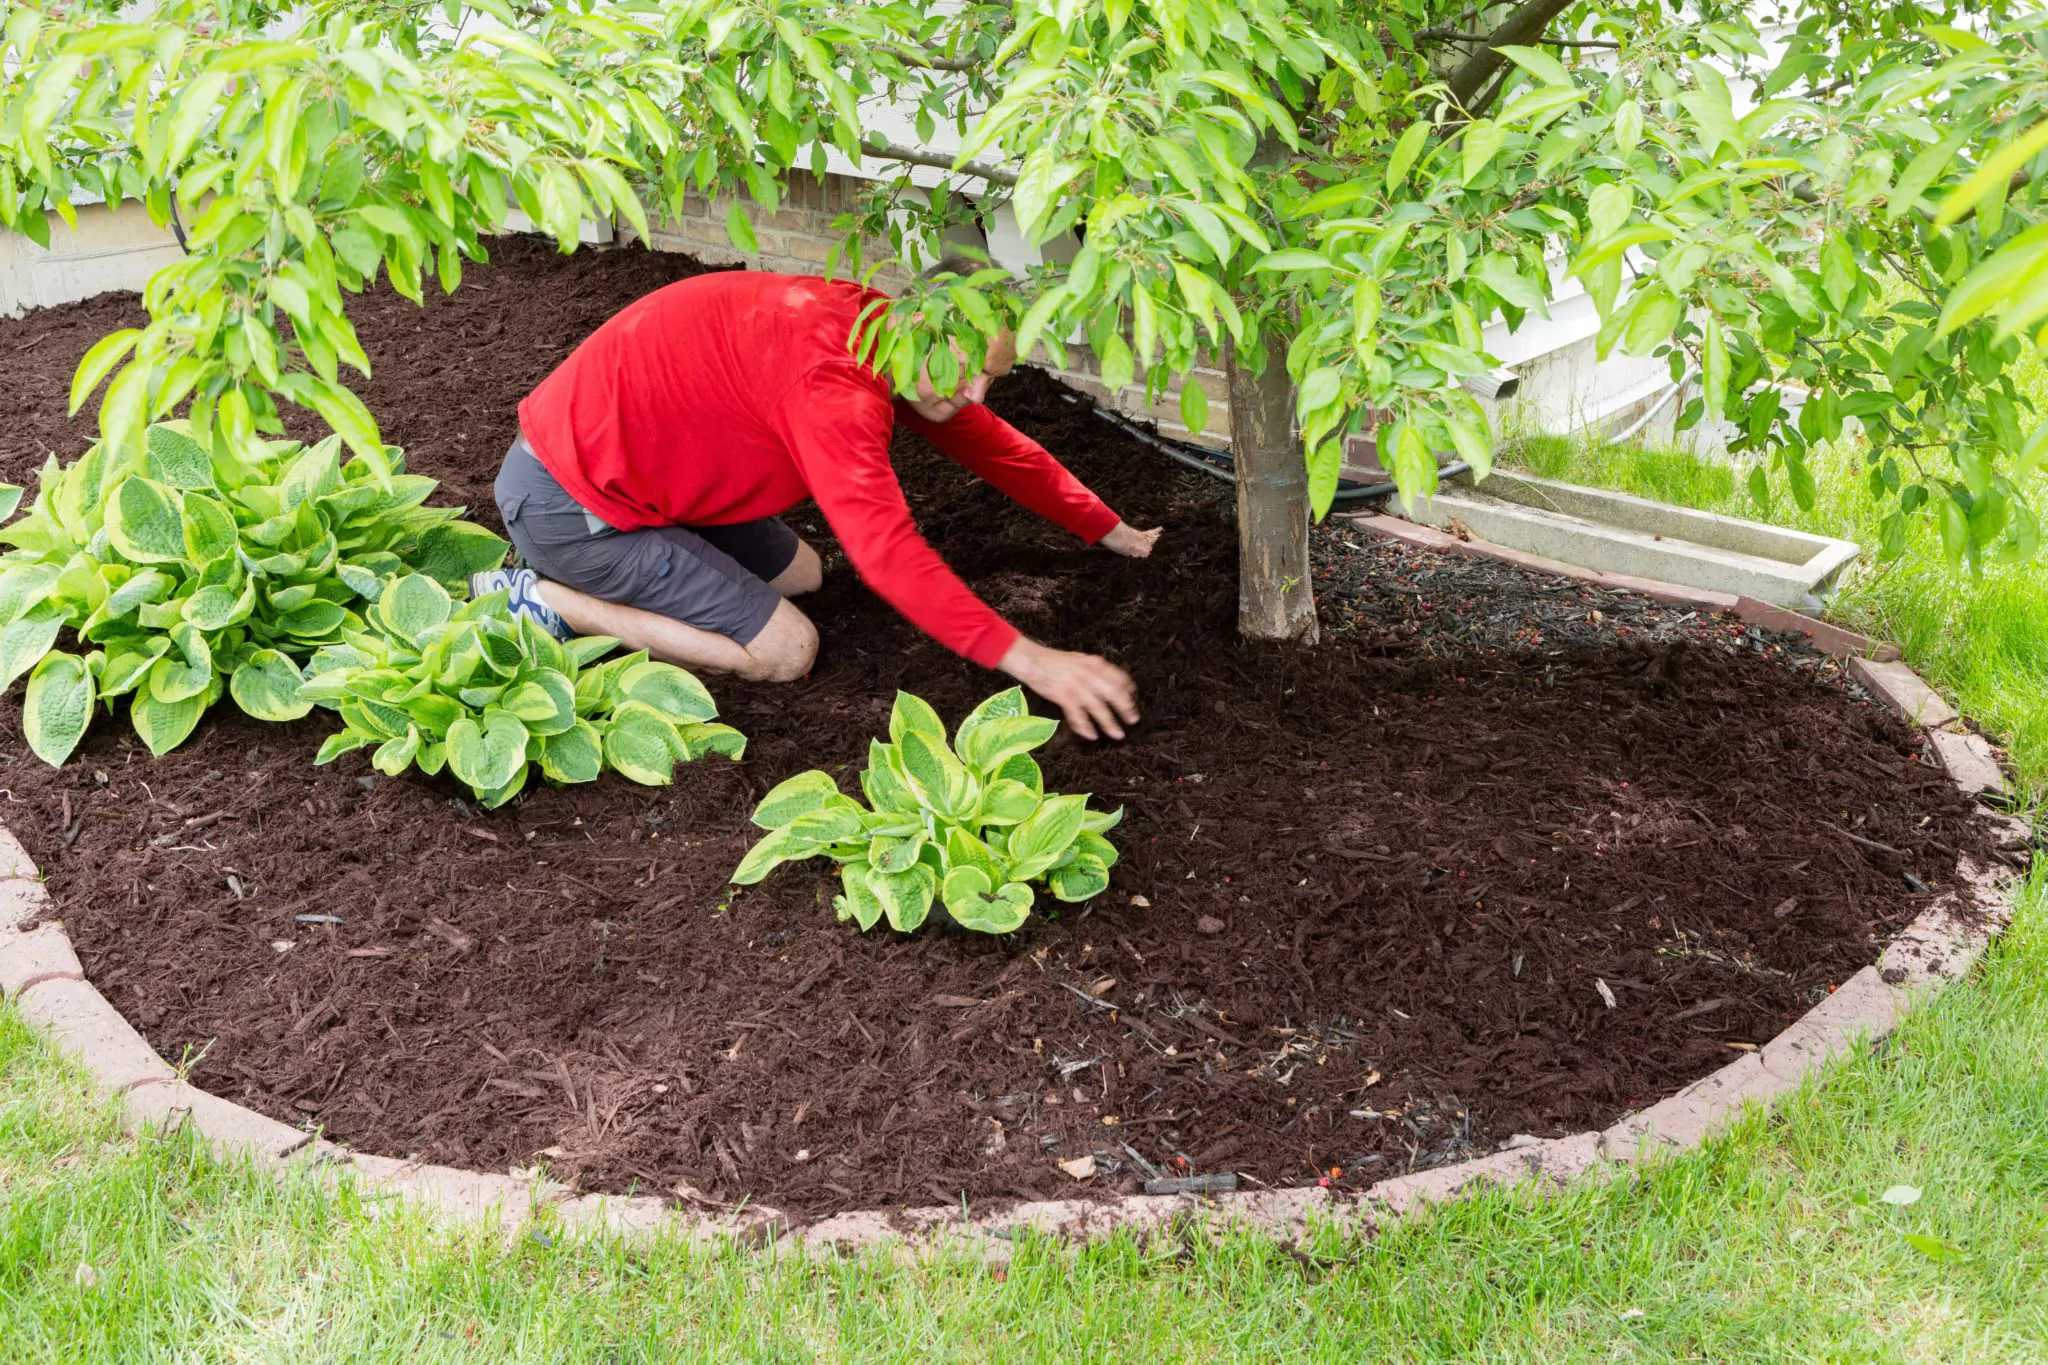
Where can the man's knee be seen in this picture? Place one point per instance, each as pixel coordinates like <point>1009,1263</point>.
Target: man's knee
<point>785,648</point>
<point>806,573</point>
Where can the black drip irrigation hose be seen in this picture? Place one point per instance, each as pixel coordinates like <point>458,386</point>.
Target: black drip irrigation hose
<point>1220,464</point>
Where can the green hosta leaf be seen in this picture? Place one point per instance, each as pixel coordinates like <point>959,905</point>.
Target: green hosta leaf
<point>538,647</point>
<point>485,756</point>
<point>174,678</point>
<point>394,756</point>
<point>895,855</point>
<point>335,745</point>
<point>435,712</point>
<point>586,650</point>
<point>1092,845</point>
<point>775,848</point>
<point>1102,821</point>
<point>1036,845</point>
<point>859,904</point>
<point>1022,769</point>
<point>670,690</point>
<point>906,896</point>
<point>10,499</point>
<point>24,586</point>
<point>58,706</point>
<point>313,621</point>
<point>966,850</point>
<point>976,903</point>
<point>498,796</point>
<point>208,529</point>
<point>544,699</point>
<point>883,782</point>
<point>127,669</point>
<point>178,460</point>
<point>1006,802</point>
<point>454,550</point>
<point>915,715</point>
<point>939,780</point>
<point>144,523</point>
<point>795,796</point>
<point>1086,876</point>
<point>700,739</point>
<point>836,822</point>
<point>1003,705</point>
<point>217,607</point>
<point>413,605</point>
<point>164,725</point>
<point>574,755</point>
<point>25,642</point>
<point>639,744</point>
<point>267,687</point>
<point>433,757</point>
<point>987,746</point>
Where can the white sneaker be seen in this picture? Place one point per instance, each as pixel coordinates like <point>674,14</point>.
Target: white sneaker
<point>522,598</point>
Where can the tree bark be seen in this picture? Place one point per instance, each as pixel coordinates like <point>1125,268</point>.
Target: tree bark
<point>1275,597</point>
<point>1524,26</point>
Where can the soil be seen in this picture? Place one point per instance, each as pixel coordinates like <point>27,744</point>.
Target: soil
<point>1504,855</point>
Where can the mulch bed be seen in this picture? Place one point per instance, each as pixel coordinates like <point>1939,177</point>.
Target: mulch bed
<point>1503,855</point>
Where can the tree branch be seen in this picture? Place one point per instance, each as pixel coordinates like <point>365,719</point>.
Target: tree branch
<point>1525,25</point>
<point>884,150</point>
<point>1453,36</point>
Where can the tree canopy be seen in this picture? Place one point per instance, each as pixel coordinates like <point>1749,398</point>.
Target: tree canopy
<point>1809,194</point>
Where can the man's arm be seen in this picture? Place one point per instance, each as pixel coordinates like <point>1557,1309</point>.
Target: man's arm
<point>987,446</point>
<point>837,427</point>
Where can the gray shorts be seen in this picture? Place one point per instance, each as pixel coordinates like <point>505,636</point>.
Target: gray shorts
<point>712,577</point>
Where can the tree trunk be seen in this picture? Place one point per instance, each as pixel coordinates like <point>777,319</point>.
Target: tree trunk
<point>1275,599</point>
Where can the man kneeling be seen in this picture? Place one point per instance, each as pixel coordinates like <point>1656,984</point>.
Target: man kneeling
<point>645,486</point>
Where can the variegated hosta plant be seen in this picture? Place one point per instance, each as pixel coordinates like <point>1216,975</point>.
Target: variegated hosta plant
<point>189,571</point>
<point>435,684</point>
<point>967,824</point>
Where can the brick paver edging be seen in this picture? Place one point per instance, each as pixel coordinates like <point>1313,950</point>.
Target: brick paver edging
<point>42,975</point>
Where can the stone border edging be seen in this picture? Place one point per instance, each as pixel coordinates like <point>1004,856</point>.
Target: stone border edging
<point>41,973</point>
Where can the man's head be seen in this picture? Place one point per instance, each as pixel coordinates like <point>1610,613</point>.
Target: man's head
<point>1000,359</point>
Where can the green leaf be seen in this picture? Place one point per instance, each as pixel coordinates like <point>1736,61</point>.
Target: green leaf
<point>739,230</point>
<point>574,755</point>
<point>795,796</point>
<point>1537,63</point>
<point>987,746</point>
<point>144,523</point>
<point>267,687</point>
<point>906,896</point>
<point>672,691</point>
<point>638,743</point>
<point>489,755</point>
<point>890,854</point>
<point>1482,138</point>
<point>915,714</point>
<point>1194,405</point>
<point>1497,272</point>
<point>99,362</point>
<point>1992,173</point>
<point>1406,148</point>
<point>883,782</point>
<point>772,850</point>
<point>1293,258</point>
<point>544,701</point>
<point>859,904</point>
<point>451,552</point>
<point>975,903</point>
<point>1079,880</point>
<point>209,531</point>
<point>218,607</point>
<point>337,744</point>
<point>25,642</point>
<point>1102,821</point>
<point>1007,802</point>
<point>938,779</point>
<point>414,604</point>
<point>164,725</point>
<point>58,706</point>
<point>394,756</point>
<point>1023,769</point>
<point>1037,843</point>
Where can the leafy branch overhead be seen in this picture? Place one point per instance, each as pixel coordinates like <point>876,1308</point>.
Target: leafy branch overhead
<point>966,825</point>
<point>1369,195</point>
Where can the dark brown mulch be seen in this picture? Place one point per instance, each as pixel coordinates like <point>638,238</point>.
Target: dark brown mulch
<point>1424,870</point>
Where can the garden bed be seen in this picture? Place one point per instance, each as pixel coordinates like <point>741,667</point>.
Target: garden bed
<point>1504,855</point>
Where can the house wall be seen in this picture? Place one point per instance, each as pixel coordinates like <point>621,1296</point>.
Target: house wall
<point>109,249</point>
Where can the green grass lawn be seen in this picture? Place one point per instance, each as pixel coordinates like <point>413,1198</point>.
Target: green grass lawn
<point>1771,1244</point>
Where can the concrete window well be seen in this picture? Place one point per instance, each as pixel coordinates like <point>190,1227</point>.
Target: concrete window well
<point>1619,533</point>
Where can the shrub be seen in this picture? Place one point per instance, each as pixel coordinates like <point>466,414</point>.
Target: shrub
<point>968,824</point>
<point>468,688</point>
<point>192,572</point>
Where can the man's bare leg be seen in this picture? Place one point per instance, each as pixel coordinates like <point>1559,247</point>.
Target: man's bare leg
<point>782,652</point>
<point>805,573</point>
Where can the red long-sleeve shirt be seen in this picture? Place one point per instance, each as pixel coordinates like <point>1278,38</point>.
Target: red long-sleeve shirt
<point>728,397</point>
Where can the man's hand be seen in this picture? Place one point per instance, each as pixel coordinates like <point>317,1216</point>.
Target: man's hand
<point>1129,541</point>
<point>1097,697</point>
